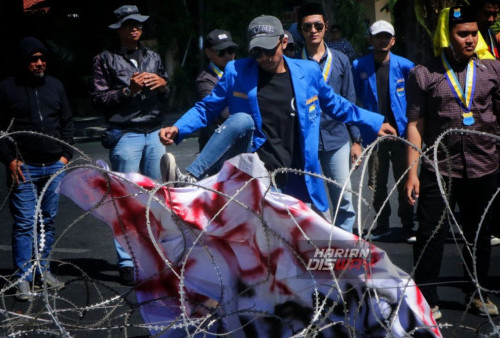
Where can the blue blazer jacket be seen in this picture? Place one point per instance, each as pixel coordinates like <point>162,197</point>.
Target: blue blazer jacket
<point>365,83</point>
<point>237,89</point>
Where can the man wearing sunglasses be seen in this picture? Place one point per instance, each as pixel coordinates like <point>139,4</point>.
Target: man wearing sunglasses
<point>335,151</point>
<point>129,83</point>
<point>275,105</point>
<point>219,49</point>
<point>33,101</point>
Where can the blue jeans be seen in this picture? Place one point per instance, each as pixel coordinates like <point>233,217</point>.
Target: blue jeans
<point>335,165</point>
<point>22,202</point>
<point>232,138</point>
<point>137,153</point>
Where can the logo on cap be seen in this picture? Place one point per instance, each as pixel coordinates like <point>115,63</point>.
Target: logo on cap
<point>261,30</point>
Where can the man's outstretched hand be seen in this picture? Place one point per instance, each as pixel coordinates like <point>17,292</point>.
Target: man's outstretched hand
<point>386,129</point>
<point>167,135</point>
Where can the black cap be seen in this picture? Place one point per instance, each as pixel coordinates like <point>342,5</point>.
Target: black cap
<point>311,8</point>
<point>264,32</point>
<point>461,14</point>
<point>219,39</point>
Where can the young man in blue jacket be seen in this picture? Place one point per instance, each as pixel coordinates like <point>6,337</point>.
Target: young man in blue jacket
<point>275,105</point>
<point>335,150</point>
<point>379,79</point>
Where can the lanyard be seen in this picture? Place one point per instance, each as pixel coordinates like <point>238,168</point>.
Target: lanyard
<point>464,98</point>
<point>216,70</point>
<point>493,48</point>
<point>327,65</point>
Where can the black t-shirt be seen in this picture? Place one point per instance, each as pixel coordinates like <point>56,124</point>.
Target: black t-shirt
<point>384,99</point>
<point>279,122</point>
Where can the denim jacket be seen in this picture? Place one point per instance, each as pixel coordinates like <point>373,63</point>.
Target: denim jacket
<point>365,83</point>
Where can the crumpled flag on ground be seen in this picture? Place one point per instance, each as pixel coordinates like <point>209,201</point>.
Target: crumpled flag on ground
<point>230,256</point>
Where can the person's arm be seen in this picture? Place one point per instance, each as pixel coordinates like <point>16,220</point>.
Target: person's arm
<point>157,80</point>
<point>205,83</point>
<point>349,93</point>
<point>7,148</point>
<point>66,127</point>
<point>202,113</point>
<point>416,112</point>
<point>167,135</point>
<point>16,173</point>
<point>415,131</point>
<point>370,124</point>
<point>102,94</point>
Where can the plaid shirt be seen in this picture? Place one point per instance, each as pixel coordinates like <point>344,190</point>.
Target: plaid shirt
<point>430,97</point>
<point>344,46</point>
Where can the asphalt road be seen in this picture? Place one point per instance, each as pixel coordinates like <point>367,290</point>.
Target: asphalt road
<point>84,258</point>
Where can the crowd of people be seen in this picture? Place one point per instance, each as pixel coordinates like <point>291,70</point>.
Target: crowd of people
<point>310,105</point>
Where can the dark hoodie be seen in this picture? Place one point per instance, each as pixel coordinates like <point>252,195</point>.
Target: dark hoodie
<point>33,103</point>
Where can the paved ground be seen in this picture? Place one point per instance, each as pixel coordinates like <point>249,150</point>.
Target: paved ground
<point>86,261</point>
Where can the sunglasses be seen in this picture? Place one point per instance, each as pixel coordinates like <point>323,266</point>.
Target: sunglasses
<point>257,52</point>
<point>35,58</point>
<point>132,25</point>
<point>229,50</point>
<point>307,26</point>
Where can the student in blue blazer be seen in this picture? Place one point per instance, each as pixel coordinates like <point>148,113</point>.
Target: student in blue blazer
<point>379,80</point>
<point>275,105</point>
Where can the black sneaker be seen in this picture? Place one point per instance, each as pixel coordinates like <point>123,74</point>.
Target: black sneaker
<point>127,276</point>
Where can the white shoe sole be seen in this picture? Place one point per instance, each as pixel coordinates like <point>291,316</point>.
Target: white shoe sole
<point>494,241</point>
<point>167,167</point>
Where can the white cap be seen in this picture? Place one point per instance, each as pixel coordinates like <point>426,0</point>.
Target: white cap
<point>381,26</point>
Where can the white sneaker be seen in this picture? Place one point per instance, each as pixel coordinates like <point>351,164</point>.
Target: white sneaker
<point>436,313</point>
<point>494,240</point>
<point>170,172</point>
<point>167,167</point>
<point>411,239</point>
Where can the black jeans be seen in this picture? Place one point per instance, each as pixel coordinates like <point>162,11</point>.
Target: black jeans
<point>472,196</point>
<point>390,152</point>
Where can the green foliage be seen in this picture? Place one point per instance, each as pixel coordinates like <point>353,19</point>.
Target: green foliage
<point>426,11</point>
<point>496,26</point>
<point>349,14</point>
<point>178,27</point>
<point>235,15</point>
